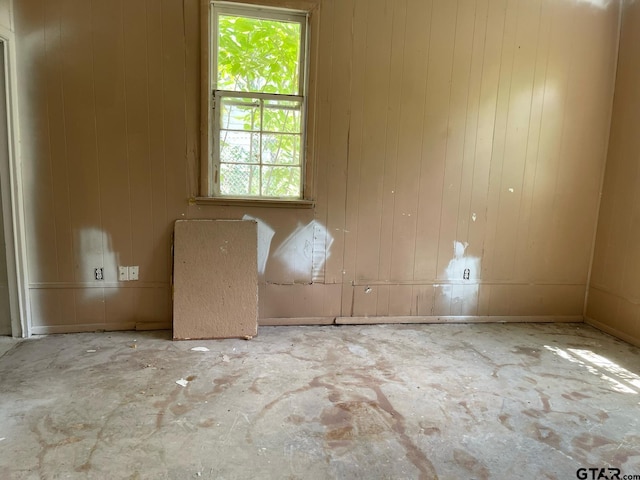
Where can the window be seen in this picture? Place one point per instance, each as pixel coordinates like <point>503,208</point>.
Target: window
<point>258,65</point>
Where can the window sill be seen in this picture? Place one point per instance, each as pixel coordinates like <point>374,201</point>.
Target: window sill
<point>252,202</point>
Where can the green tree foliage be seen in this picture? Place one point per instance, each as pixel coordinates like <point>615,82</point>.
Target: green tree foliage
<point>259,56</point>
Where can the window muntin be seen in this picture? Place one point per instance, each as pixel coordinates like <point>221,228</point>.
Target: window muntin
<point>258,79</point>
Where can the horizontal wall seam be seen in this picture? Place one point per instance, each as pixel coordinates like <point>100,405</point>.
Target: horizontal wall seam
<point>633,300</point>
<point>97,284</point>
<point>432,283</point>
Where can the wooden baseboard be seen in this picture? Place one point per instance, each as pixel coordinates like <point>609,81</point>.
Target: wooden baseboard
<point>99,327</point>
<point>276,322</point>
<point>613,331</point>
<point>421,319</point>
<point>146,326</point>
<point>461,319</point>
<point>273,322</point>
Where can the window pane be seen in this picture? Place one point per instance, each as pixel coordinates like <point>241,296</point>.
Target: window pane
<point>241,180</point>
<point>281,149</point>
<point>239,147</point>
<point>240,114</point>
<point>258,55</point>
<point>281,181</point>
<point>281,116</point>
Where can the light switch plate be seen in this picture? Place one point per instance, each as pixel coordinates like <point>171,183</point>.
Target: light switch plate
<point>123,274</point>
<point>133,273</point>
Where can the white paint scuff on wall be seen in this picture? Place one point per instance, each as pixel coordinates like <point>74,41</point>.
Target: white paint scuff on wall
<point>322,241</point>
<point>460,262</point>
<point>265,235</point>
<point>297,251</point>
<point>95,251</point>
<point>603,4</point>
<point>304,252</point>
<point>463,271</point>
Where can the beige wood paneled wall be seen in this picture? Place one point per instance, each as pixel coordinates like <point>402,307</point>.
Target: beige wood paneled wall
<point>614,293</point>
<point>450,136</point>
<point>6,14</point>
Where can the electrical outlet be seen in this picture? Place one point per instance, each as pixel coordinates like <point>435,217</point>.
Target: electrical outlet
<point>123,274</point>
<point>98,273</point>
<point>467,274</point>
<point>133,273</point>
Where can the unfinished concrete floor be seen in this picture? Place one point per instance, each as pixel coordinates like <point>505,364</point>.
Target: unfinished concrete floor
<point>500,401</point>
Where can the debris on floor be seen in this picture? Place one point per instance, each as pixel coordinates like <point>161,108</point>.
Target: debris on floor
<point>352,402</point>
<point>199,349</point>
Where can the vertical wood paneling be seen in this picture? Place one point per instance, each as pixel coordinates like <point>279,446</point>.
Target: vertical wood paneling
<point>78,78</point>
<point>455,130</point>
<point>354,148</point>
<point>486,118</point>
<point>453,159</point>
<point>437,114</point>
<point>455,136</point>
<point>409,149</point>
<point>512,182</point>
<point>613,302</point>
<point>52,307</point>
<point>434,122</point>
<point>174,94</point>
<point>119,306</point>
<point>112,131</point>
<point>544,218</point>
<point>583,122</point>
<point>157,137</point>
<point>567,247</point>
<point>377,73</point>
<point>90,306</point>
<point>152,305</point>
<point>37,171</point>
<point>334,91</point>
<point>61,201</point>
<point>191,28</point>
<point>496,190</point>
<point>138,141</point>
<point>332,268</point>
<point>392,135</point>
<point>464,217</point>
<point>524,261</point>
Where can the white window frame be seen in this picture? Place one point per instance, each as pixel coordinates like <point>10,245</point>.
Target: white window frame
<point>211,174</point>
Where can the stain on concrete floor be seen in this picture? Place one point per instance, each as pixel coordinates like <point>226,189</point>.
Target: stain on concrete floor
<point>371,402</point>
